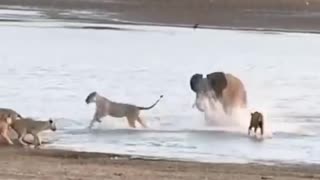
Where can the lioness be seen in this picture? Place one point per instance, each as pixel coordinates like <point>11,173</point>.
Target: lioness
<point>7,117</point>
<point>106,107</point>
<point>26,126</point>
<point>256,122</point>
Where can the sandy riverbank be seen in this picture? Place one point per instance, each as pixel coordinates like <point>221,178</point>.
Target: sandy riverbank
<point>19,163</point>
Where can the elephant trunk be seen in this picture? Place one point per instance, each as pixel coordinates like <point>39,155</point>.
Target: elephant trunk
<point>203,102</point>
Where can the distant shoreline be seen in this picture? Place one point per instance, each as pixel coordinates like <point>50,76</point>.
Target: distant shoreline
<point>266,15</point>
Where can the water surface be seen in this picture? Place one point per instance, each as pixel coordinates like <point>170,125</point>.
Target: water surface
<point>47,70</point>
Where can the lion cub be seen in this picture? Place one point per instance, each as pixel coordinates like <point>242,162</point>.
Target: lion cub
<point>26,126</point>
<point>256,122</point>
<point>7,116</point>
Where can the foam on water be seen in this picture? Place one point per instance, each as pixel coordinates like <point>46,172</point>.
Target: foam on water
<point>49,76</point>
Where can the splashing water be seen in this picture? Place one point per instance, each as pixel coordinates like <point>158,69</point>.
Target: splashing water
<point>238,120</point>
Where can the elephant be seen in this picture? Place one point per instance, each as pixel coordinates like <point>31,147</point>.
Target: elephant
<point>220,87</point>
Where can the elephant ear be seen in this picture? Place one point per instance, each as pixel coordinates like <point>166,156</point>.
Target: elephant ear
<point>195,82</point>
<point>218,82</point>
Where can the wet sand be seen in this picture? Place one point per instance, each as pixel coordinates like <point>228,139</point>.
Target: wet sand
<point>17,162</point>
<point>21,163</point>
<point>280,15</point>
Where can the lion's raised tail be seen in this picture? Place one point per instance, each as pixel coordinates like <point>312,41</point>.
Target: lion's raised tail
<point>153,105</point>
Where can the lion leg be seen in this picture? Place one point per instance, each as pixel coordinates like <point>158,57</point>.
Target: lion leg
<point>141,122</point>
<point>21,139</point>
<point>131,122</point>
<point>261,128</point>
<point>36,140</point>
<point>4,134</point>
<point>249,130</point>
<point>95,118</point>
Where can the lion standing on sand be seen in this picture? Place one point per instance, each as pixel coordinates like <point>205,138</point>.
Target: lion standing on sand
<point>7,117</point>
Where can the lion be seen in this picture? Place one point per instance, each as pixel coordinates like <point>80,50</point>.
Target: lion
<point>106,107</point>
<point>26,126</point>
<point>7,117</point>
<point>256,122</point>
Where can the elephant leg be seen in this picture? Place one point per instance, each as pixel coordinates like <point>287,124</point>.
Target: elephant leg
<point>226,106</point>
<point>243,99</point>
<point>207,119</point>
<point>226,102</point>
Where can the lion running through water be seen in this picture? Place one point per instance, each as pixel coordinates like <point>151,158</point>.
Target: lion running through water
<point>105,107</point>
<point>257,121</point>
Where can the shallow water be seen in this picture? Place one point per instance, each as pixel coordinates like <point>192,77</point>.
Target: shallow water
<point>48,70</point>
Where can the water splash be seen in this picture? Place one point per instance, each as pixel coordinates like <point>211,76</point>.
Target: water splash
<point>238,119</point>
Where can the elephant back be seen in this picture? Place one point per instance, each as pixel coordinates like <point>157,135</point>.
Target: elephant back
<point>236,90</point>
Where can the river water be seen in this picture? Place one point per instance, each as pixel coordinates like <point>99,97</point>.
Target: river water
<point>48,69</point>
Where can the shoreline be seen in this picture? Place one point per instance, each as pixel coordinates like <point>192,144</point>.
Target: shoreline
<point>86,165</point>
<point>265,16</point>
<point>29,163</point>
<point>186,160</point>
<point>108,25</point>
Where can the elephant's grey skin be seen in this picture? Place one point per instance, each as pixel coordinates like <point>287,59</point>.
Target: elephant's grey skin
<point>218,86</point>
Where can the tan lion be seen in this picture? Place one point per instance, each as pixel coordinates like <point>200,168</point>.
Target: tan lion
<point>26,126</point>
<point>105,107</point>
<point>7,117</point>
